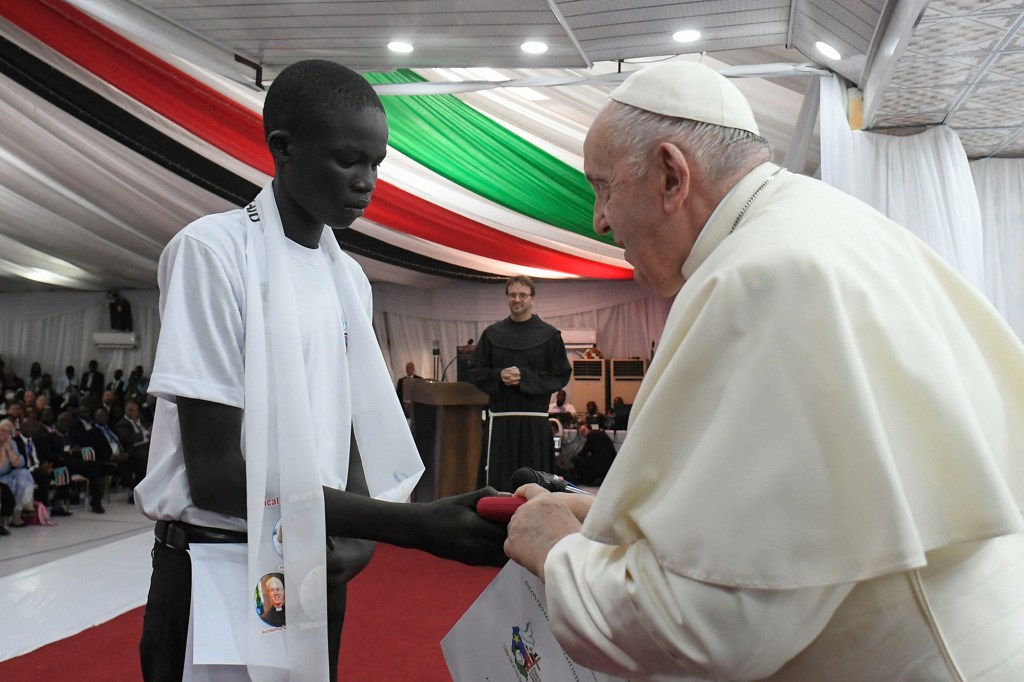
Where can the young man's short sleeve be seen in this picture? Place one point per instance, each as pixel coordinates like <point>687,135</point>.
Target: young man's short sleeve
<point>202,338</point>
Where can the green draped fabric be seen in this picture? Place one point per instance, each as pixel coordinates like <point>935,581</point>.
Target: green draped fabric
<point>459,143</point>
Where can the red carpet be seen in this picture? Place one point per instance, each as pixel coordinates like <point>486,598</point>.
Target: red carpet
<point>399,609</point>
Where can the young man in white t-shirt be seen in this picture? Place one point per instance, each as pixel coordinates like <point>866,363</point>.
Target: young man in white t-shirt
<point>327,132</point>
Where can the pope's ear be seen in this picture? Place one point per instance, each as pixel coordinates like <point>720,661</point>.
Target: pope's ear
<point>279,143</point>
<point>675,175</point>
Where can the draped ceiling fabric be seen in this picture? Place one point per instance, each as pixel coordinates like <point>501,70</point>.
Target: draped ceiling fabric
<point>111,148</point>
<point>526,210</point>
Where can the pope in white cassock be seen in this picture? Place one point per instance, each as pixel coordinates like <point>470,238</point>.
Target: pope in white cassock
<point>823,477</point>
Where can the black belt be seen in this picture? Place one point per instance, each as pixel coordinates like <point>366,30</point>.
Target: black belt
<point>178,535</point>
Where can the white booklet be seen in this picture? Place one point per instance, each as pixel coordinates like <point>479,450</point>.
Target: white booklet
<point>505,637</point>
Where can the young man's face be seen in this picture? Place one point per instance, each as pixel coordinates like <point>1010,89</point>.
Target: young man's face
<point>331,169</point>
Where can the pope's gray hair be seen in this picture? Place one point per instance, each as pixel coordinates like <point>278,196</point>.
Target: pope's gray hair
<point>720,152</point>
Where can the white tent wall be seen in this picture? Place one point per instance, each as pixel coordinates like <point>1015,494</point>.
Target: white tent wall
<point>922,181</point>
<point>971,214</point>
<point>55,328</point>
<point>1000,187</point>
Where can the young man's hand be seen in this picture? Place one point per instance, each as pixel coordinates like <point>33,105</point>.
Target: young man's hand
<point>452,529</point>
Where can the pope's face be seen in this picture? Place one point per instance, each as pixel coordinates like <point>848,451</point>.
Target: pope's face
<point>630,207</point>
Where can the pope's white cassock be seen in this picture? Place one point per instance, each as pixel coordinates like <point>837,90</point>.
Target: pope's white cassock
<point>823,476</point>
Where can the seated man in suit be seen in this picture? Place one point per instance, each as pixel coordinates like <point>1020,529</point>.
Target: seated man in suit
<point>77,435</point>
<point>92,382</point>
<point>119,453</point>
<point>134,436</point>
<point>595,457</point>
<point>410,374</point>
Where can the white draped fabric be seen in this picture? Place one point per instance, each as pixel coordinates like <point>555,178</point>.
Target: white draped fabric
<point>922,182</point>
<point>56,328</point>
<point>1000,186</point>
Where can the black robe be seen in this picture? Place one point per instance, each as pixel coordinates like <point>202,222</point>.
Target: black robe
<point>536,348</point>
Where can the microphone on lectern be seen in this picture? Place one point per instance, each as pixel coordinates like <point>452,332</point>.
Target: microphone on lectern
<point>445,371</point>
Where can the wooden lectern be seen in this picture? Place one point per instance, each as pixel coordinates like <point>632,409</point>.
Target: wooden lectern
<point>447,427</point>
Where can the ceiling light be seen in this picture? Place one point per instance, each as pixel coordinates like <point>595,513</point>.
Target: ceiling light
<point>687,36</point>
<point>827,50</point>
<point>399,46</point>
<point>534,47</point>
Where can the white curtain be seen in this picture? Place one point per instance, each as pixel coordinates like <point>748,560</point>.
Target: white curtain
<point>1000,186</point>
<point>55,328</point>
<point>922,182</point>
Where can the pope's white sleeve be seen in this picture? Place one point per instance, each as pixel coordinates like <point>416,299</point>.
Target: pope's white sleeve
<point>615,609</point>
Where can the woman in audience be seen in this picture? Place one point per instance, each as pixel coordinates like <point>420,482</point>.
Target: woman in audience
<point>15,475</point>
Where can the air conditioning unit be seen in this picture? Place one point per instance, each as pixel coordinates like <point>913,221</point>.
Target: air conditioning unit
<point>589,382</point>
<point>115,339</point>
<point>626,376</point>
<point>579,339</point>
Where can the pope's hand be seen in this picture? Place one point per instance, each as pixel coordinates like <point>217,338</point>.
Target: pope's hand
<point>537,526</point>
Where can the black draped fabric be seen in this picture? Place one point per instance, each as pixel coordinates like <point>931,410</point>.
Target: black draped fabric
<point>536,348</point>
